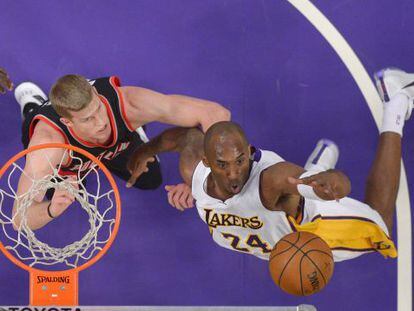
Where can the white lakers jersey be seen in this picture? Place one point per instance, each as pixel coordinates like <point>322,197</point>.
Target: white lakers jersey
<point>242,223</point>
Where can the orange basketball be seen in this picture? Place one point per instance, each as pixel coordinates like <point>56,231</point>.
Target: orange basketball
<point>301,263</point>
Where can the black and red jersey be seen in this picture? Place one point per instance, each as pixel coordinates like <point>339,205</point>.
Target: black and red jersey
<point>122,131</point>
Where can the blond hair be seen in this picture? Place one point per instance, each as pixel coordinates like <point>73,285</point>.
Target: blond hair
<point>70,93</point>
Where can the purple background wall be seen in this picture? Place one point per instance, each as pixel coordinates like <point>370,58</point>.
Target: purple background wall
<point>283,83</point>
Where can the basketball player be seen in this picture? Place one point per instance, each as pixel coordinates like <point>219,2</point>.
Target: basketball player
<point>101,117</point>
<point>251,198</point>
<point>5,81</point>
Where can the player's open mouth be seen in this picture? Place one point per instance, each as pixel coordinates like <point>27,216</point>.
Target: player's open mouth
<point>235,188</point>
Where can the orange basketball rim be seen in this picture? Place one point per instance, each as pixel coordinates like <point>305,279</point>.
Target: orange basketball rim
<point>60,288</point>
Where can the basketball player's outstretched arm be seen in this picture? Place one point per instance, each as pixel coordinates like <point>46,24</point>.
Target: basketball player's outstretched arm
<point>187,141</point>
<point>5,81</point>
<point>281,180</point>
<point>143,106</point>
<point>39,164</point>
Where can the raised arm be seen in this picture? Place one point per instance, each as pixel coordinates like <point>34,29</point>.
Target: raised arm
<point>187,141</point>
<point>143,106</point>
<point>36,167</point>
<point>283,180</point>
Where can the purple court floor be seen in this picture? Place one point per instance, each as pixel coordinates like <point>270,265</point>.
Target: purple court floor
<point>283,83</point>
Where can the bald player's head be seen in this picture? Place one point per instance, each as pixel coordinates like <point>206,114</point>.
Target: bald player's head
<point>227,153</point>
<point>221,131</point>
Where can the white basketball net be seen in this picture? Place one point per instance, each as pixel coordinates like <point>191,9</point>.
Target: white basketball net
<point>22,241</point>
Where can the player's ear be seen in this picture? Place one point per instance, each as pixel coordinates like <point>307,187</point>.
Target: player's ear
<point>205,162</point>
<point>66,122</point>
<point>251,152</point>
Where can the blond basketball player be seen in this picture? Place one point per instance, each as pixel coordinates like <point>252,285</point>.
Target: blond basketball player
<point>251,198</point>
<point>104,118</point>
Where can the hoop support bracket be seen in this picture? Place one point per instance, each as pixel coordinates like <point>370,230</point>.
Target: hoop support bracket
<point>54,288</point>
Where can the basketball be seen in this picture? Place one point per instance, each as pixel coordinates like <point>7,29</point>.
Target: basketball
<point>301,263</point>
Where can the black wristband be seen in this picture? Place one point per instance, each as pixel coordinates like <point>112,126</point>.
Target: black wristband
<point>48,210</point>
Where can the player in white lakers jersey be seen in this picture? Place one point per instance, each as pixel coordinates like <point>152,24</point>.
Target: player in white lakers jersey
<point>251,198</point>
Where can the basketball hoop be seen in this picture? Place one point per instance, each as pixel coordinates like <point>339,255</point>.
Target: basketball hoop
<point>19,243</point>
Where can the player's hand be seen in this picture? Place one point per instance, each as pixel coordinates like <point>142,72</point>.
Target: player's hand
<point>5,81</point>
<point>179,196</point>
<point>138,164</point>
<point>328,185</point>
<point>62,199</point>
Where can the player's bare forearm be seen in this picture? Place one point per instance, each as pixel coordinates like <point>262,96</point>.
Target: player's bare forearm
<point>192,152</point>
<point>143,106</point>
<point>187,141</point>
<point>282,179</point>
<point>331,184</point>
<point>38,165</point>
<point>36,217</point>
<point>204,112</point>
<point>172,139</point>
<point>328,185</point>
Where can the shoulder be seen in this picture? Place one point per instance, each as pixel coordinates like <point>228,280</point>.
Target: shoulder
<point>144,105</point>
<point>43,162</point>
<point>266,158</point>
<point>199,174</point>
<point>44,133</point>
<point>109,87</point>
<point>136,96</point>
<point>111,81</point>
<point>271,176</point>
<point>274,179</point>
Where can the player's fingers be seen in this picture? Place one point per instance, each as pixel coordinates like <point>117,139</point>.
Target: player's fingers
<point>337,193</point>
<point>173,195</point>
<point>188,196</point>
<point>63,201</point>
<point>132,165</point>
<point>67,195</point>
<point>168,187</point>
<point>334,192</point>
<point>132,180</point>
<point>315,183</point>
<point>327,190</point>
<point>183,199</point>
<point>310,180</point>
<point>190,201</point>
<point>152,159</point>
<point>294,181</point>
<point>176,200</point>
<point>73,179</point>
<point>170,201</point>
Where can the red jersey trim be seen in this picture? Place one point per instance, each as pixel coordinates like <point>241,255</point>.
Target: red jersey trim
<point>52,125</point>
<point>114,81</point>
